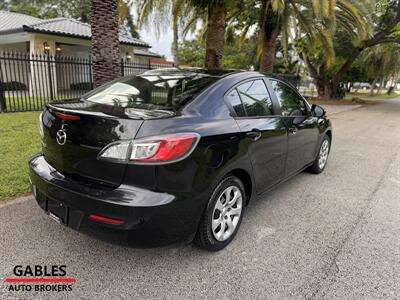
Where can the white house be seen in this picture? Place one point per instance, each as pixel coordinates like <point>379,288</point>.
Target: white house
<point>23,33</point>
<point>62,36</point>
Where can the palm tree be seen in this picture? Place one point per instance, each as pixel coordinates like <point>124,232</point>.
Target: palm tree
<point>314,18</point>
<point>213,13</point>
<point>159,13</point>
<point>220,14</point>
<point>215,39</point>
<point>125,17</point>
<point>381,62</point>
<point>104,50</point>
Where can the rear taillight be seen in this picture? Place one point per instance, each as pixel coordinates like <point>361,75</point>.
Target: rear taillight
<point>152,150</point>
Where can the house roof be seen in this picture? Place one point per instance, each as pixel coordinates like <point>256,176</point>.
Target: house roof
<point>13,22</point>
<point>142,52</point>
<point>9,21</point>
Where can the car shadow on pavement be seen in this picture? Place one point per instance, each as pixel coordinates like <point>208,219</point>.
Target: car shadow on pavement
<point>139,240</point>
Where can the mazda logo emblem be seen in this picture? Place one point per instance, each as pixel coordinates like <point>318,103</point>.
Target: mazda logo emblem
<point>61,136</point>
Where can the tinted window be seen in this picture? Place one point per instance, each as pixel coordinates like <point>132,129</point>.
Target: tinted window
<point>291,103</point>
<point>234,99</point>
<point>255,98</point>
<point>152,90</point>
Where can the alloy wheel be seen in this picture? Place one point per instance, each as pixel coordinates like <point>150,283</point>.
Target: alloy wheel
<point>323,154</point>
<point>226,214</point>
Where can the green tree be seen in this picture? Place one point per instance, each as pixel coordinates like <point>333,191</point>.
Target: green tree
<point>77,9</point>
<point>126,18</point>
<point>37,8</point>
<point>179,13</point>
<point>237,54</point>
<point>315,18</point>
<point>240,54</point>
<point>192,53</point>
<point>355,74</point>
<point>381,62</point>
<point>385,16</point>
<point>217,12</point>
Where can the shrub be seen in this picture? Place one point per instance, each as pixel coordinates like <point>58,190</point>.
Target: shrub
<point>81,86</point>
<point>14,86</point>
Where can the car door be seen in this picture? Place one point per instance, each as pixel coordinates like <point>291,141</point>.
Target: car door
<point>302,127</point>
<point>264,132</point>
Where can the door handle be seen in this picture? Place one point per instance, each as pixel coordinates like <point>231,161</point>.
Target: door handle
<point>255,134</point>
<point>293,130</point>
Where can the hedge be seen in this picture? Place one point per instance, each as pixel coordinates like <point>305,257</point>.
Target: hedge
<point>81,86</point>
<point>13,86</point>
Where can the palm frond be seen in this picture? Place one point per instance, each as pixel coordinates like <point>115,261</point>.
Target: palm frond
<point>278,5</point>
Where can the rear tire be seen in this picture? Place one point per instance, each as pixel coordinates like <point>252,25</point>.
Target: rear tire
<point>320,162</point>
<point>223,215</point>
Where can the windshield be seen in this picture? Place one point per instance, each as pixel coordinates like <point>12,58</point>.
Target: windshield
<point>152,90</point>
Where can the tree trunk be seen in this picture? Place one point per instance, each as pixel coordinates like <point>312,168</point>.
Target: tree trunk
<point>104,48</point>
<point>267,60</point>
<point>373,84</point>
<point>215,39</point>
<point>383,36</point>
<point>174,46</point>
<point>268,34</point>
<point>326,90</point>
<point>381,84</point>
<point>320,85</point>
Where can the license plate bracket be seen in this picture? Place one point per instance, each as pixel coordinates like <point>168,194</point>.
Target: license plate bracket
<point>57,211</point>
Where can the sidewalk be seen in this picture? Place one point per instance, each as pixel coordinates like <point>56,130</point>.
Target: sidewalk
<point>336,109</point>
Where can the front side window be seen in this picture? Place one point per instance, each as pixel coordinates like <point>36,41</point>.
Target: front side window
<point>290,101</point>
<point>251,99</point>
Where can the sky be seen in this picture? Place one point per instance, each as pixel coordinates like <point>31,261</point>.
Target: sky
<point>161,43</point>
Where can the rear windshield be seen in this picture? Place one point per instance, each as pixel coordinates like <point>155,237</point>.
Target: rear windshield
<point>152,90</point>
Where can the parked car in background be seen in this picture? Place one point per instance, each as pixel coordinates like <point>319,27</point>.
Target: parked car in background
<point>175,154</point>
<point>361,86</point>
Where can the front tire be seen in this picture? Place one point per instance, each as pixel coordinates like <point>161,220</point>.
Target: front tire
<point>322,158</point>
<point>223,215</point>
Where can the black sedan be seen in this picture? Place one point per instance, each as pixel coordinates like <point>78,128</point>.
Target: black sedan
<point>175,154</point>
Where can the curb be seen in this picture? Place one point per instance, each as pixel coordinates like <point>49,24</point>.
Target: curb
<point>18,199</point>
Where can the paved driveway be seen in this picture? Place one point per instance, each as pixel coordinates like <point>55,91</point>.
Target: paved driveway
<point>335,235</point>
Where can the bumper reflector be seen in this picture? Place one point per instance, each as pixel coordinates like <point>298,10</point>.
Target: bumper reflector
<point>105,220</point>
<point>67,117</point>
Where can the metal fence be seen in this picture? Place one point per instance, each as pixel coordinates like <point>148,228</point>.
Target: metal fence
<point>29,81</point>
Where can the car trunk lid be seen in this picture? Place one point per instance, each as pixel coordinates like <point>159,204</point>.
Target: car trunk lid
<point>74,133</point>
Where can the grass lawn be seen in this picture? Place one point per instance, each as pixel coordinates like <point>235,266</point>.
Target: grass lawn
<point>19,140</point>
<point>25,103</point>
<point>356,98</point>
<point>361,95</point>
<point>366,96</point>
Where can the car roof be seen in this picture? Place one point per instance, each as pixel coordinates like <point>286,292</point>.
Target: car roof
<point>188,71</point>
<point>192,72</point>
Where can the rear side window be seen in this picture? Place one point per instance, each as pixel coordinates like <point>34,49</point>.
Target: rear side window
<point>251,99</point>
<point>290,101</point>
<point>234,99</point>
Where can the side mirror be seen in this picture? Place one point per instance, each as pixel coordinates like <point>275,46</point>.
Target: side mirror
<point>317,111</point>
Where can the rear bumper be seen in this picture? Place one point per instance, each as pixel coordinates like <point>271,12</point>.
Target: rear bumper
<point>148,217</point>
